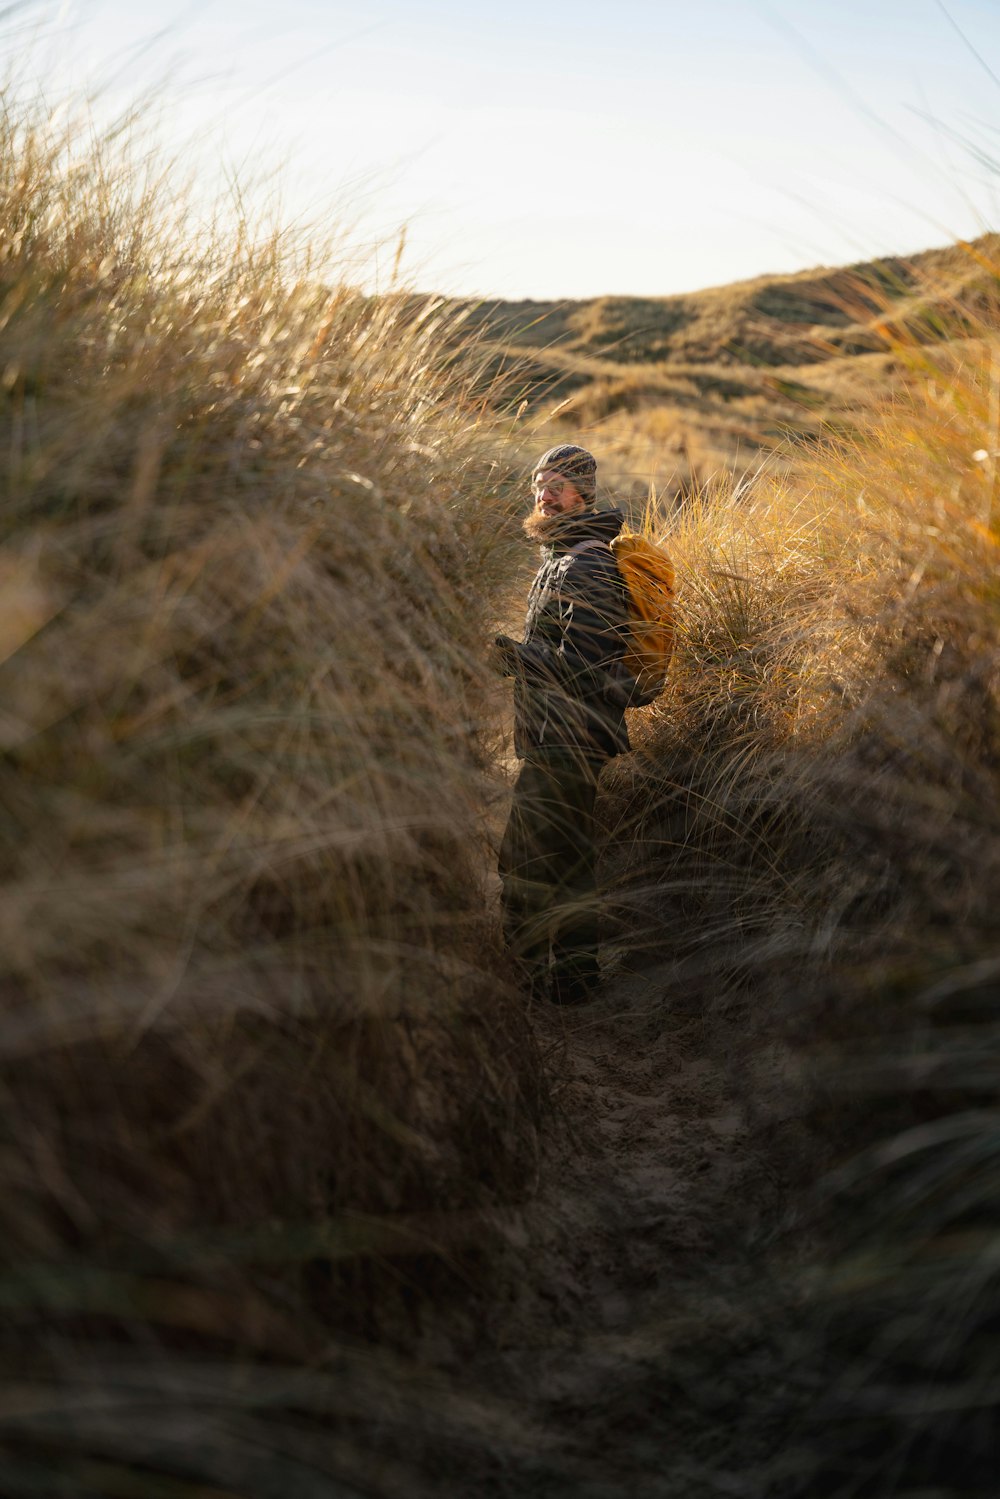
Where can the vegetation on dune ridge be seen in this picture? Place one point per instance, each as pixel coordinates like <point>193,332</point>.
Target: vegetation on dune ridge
<point>675,390</point>
<point>798,318</point>
<point>251,989</point>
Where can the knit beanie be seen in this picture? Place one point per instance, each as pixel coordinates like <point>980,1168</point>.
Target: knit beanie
<point>575,464</point>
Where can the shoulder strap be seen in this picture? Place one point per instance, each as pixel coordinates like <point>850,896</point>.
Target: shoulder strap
<point>587,546</point>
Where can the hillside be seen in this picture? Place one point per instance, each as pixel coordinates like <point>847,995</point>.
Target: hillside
<point>675,389</point>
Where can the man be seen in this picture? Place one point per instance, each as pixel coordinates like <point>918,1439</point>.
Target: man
<point>570,694</point>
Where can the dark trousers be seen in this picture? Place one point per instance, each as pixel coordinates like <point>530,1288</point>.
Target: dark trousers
<point>547,867</point>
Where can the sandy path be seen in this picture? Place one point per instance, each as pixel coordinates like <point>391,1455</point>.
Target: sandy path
<point>632,1326</point>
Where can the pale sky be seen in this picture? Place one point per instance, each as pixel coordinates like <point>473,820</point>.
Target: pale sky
<point>565,148</point>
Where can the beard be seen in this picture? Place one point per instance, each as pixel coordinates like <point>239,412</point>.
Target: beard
<point>539,527</point>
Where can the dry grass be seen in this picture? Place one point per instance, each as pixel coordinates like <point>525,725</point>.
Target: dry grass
<point>260,1066</point>
<point>811,832</point>
<point>257,1047</point>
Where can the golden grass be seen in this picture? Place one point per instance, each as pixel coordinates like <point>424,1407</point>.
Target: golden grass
<point>255,1021</point>
<point>811,833</point>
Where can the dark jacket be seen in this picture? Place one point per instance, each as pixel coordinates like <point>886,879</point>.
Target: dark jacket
<point>570,685</point>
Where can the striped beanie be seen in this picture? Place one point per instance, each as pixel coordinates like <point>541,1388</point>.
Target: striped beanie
<point>575,464</point>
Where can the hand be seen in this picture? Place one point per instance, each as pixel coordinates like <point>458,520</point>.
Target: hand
<point>504,655</point>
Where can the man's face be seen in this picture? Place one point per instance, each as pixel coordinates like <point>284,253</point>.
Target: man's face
<point>555,495</point>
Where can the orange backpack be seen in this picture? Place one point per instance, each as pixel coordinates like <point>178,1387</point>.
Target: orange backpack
<point>648,574</point>
<point>649,581</point>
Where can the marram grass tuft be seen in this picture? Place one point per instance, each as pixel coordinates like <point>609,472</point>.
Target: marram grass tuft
<point>261,1066</point>
<point>810,837</point>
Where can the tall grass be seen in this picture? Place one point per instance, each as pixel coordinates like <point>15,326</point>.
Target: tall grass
<point>261,1067</point>
<point>259,1059</point>
<point>811,835</point>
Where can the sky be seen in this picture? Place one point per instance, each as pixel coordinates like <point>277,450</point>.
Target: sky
<point>565,148</point>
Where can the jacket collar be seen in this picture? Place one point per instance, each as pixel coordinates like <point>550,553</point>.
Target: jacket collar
<point>592,525</point>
